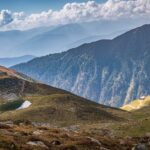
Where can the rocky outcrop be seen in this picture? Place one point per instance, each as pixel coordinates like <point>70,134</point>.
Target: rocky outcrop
<point>16,137</point>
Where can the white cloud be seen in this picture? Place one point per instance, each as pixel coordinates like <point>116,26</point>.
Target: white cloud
<point>78,12</point>
<point>5,17</point>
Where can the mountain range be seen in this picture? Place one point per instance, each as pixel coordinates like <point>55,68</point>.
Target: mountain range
<point>111,72</point>
<point>45,40</point>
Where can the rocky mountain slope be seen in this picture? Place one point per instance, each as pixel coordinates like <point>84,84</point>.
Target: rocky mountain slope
<point>15,136</point>
<point>24,98</point>
<point>111,72</point>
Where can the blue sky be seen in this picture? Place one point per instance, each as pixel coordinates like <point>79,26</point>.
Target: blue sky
<point>31,6</point>
<point>29,14</point>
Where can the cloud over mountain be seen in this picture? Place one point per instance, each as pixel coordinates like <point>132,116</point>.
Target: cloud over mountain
<point>78,12</point>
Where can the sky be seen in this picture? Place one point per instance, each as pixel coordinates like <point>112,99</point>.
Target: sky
<point>27,14</point>
<point>30,6</point>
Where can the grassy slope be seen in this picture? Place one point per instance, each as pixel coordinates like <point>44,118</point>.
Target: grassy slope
<point>51,104</point>
<point>137,104</point>
<point>138,123</point>
<point>63,109</point>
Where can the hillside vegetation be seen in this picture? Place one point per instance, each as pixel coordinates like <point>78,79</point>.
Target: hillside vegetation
<point>48,104</point>
<point>137,104</point>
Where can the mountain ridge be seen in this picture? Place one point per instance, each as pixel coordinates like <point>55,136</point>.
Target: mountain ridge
<point>106,71</point>
<point>61,37</point>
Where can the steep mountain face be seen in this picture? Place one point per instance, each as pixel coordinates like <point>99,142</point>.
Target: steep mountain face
<point>111,72</point>
<point>8,62</point>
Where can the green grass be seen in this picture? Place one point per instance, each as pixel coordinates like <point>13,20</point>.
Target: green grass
<point>137,104</point>
<point>62,110</point>
<point>137,125</point>
<point>52,105</point>
<point>9,106</point>
<point>133,128</point>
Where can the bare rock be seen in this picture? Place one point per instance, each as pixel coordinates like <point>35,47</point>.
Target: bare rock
<point>37,143</point>
<point>140,147</point>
